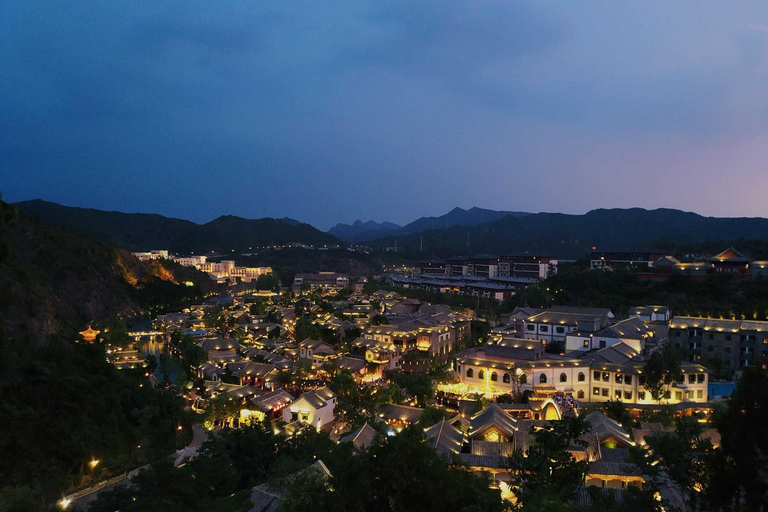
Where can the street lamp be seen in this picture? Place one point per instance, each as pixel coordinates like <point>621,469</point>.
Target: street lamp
<point>64,502</point>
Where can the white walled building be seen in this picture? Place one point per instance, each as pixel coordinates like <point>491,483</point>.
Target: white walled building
<point>555,323</point>
<point>190,261</point>
<point>314,408</point>
<point>632,331</point>
<point>152,255</point>
<point>650,313</point>
<point>612,373</point>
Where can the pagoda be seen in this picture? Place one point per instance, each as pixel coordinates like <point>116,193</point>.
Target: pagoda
<point>89,334</point>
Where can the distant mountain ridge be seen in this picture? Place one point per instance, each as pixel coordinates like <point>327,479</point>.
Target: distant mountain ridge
<point>458,217</point>
<point>140,231</point>
<point>573,236</point>
<point>364,231</point>
<point>360,231</point>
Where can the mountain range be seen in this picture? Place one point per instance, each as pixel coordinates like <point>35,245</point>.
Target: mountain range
<point>460,231</point>
<point>364,231</point>
<point>360,231</point>
<point>574,235</point>
<point>140,231</point>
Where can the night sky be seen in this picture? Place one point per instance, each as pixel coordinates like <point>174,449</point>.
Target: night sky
<point>333,111</point>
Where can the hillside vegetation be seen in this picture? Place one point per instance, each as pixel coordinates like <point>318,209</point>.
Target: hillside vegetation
<point>63,405</point>
<point>55,282</point>
<point>572,236</point>
<point>139,231</point>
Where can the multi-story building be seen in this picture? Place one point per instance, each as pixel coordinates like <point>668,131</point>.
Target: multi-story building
<point>248,274</point>
<point>527,265</point>
<point>385,355</point>
<point>630,258</point>
<point>430,267</point>
<point>458,266</point>
<point>415,335</point>
<point>432,328</point>
<point>498,288</point>
<point>218,269</point>
<point>612,373</point>
<point>321,280</point>
<point>152,255</point>
<point>484,265</point>
<point>650,313</point>
<point>190,261</point>
<point>736,344</point>
<point>554,324</point>
<point>729,261</point>
<point>632,331</point>
<point>316,352</point>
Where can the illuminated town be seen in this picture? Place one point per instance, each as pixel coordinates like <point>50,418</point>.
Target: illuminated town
<point>384,257</point>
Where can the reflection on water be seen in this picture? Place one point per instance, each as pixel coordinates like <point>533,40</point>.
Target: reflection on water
<point>152,347</point>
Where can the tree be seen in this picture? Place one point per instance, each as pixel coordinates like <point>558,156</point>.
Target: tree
<point>116,334</point>
<point>192,354</point>
<point>392,394</point>
<point>285,378</point>
<point>661,370</point>
<point>378,320</point>
<point>215,318</point>
<point>437,369</point>
<point>306,329</point>
<point>633,500</point>
<point>418,385</point>
<point>546,476</point>
<point>432,415</point>
<point>479,331</point>
<point>739,467</point>
<point>64,404</point>
<point>267,282</point>
<point>683,456</point>
<point>405,474</point>
<point>518,378</point>
<point>151,360</point>
<point>22,499</point>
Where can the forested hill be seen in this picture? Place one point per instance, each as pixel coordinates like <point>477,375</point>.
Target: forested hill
<point>139,231</point>
<point>54,282</point>
<point>574,235</point>
<point>63,404</point>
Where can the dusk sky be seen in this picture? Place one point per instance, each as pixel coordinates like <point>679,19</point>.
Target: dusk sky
<point>335,111</point>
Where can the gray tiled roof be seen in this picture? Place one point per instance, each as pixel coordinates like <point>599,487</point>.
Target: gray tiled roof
<point>400,412</point>
<point>492,416</point>
<point>447,438</point>
<point>361,438</point>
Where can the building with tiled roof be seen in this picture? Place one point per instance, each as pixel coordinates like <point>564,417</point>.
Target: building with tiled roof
<point>650,313</point>
<point>398,416</point>
<point>361,438</point>
<point>318,352</point>
<point>445,438</point>
<point>611,373</point>
<point>313,408</point>
<point>734,344</point>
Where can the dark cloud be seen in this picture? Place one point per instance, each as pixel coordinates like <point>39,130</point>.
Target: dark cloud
<point>335,111</point>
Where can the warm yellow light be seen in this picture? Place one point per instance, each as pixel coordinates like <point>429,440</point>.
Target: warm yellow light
<point>93,463</point>
<point>65,502</point>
